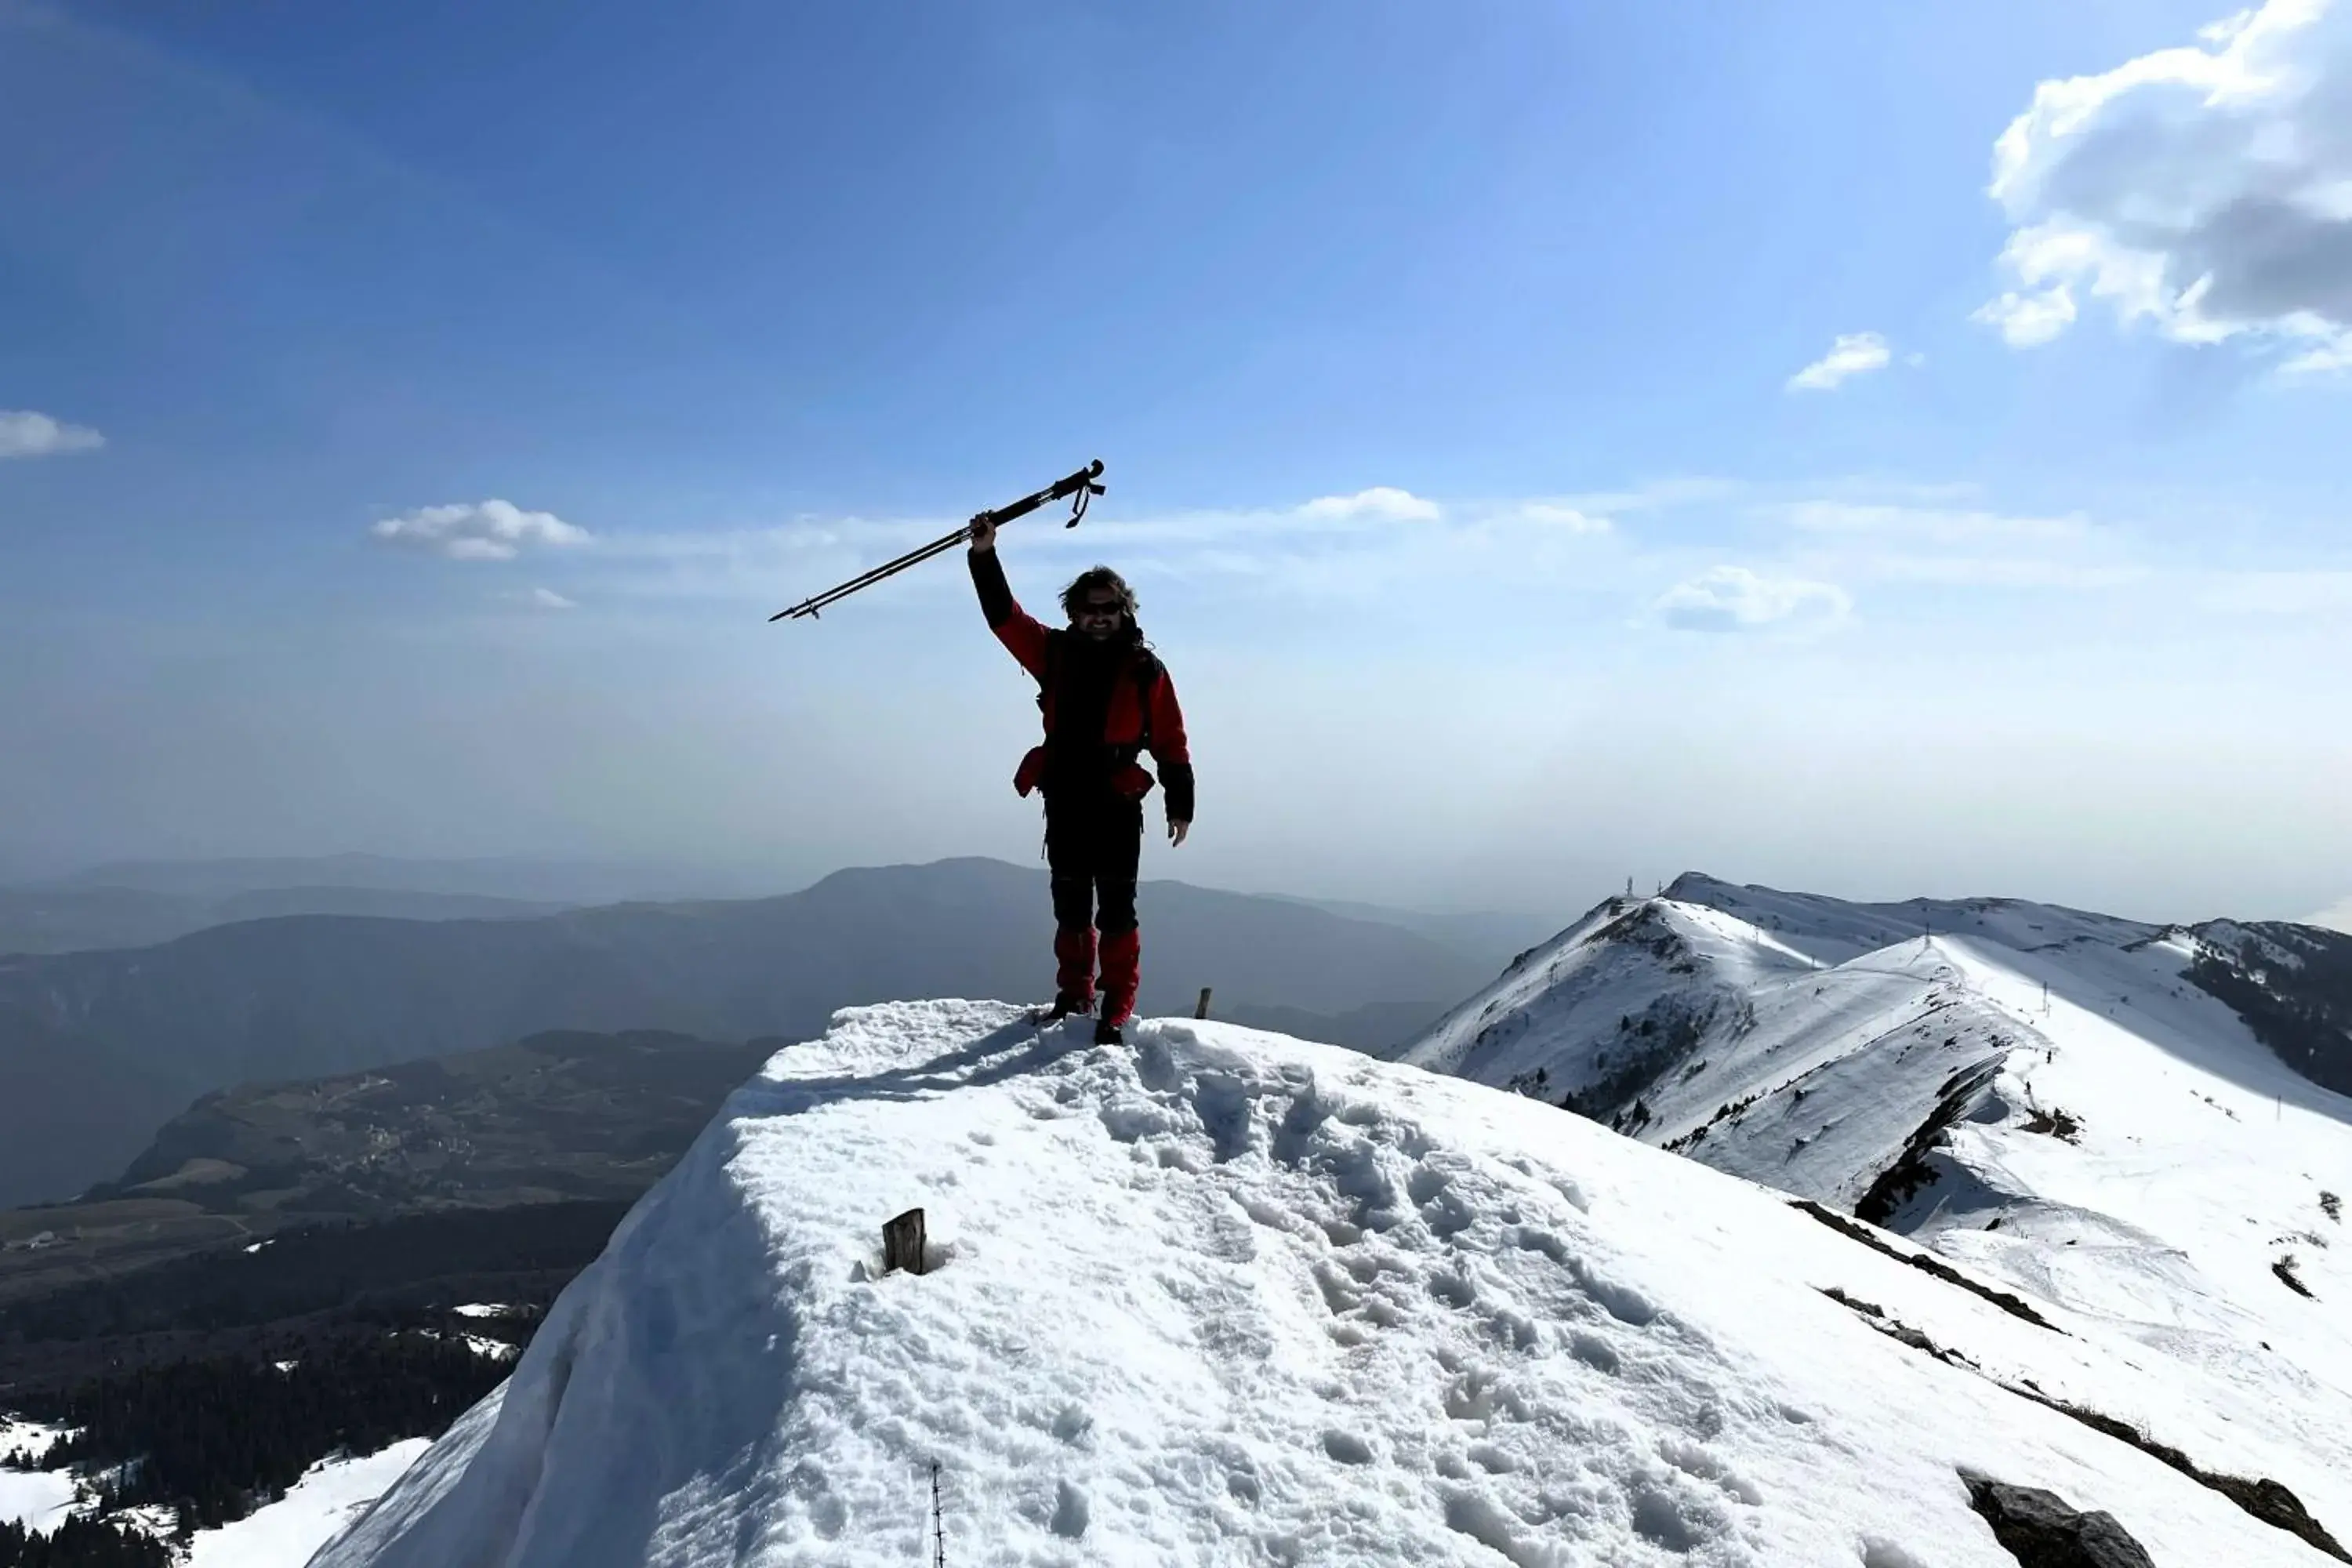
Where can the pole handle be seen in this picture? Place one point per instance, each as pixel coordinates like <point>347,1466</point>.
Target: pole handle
<point>1085,484</point>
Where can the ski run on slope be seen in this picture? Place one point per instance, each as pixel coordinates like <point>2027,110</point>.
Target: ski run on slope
<point>1225,1297</point>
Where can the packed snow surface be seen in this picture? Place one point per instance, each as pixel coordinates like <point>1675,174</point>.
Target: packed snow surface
<point>28,1437</point>
<point>39,1500</point>
<point>1227,1297</point>
<point>285,1533</point>
<point>282,1534</point>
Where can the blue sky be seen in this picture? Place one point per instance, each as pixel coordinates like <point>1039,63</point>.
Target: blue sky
<point>1450,364</point>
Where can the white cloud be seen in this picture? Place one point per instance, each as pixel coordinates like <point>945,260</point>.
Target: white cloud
<point>2027,320</point>
<point>1381,500</point>
<point>24,434</point>
<point>1734,599</point>
<point>1657,495</point>
<point>476,531</point>
<point>1958,546</point>
<point>2333,355</point>
<point>2206,189</point>
<point>1567,519</point>
<point>1853,353</point>
<point>2317,592</point>
<point>1931,525</point>
<point>2335,917</point>
<point>548,599</point>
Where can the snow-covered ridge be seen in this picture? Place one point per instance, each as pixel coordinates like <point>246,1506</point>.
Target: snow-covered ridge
<point>1231,1298</point>
<point>2045,1096</point>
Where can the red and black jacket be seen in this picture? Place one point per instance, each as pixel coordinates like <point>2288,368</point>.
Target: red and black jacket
<point>1139,708</point>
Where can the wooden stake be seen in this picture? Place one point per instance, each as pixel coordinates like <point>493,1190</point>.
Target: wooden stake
<point>902,1243</point>
<point>1203,1010</point>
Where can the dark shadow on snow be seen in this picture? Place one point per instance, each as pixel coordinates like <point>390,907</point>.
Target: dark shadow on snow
<point>1012,1050</point>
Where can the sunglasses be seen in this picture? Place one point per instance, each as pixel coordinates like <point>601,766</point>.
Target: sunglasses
<point>1092,610</point>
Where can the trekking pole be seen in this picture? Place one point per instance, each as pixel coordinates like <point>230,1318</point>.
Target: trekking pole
<point>939,1522</point>
<point>1081,484</point>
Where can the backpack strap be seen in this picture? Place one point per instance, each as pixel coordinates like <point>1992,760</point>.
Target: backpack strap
<point>1051,665</point>
<point>1147,670</point>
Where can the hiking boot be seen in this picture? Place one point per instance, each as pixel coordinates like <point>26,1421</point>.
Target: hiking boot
<point>1066,1006</point>
<point>1107,1033</point>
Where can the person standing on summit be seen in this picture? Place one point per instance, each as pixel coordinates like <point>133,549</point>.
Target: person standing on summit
<point>1107,699</point>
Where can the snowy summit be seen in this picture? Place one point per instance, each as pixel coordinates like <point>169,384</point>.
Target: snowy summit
<point>1227,1297</point>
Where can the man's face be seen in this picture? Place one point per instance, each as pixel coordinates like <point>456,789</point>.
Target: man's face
<point>1098,615</point>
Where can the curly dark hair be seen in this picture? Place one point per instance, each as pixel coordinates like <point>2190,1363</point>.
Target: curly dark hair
<point>1088,582</point>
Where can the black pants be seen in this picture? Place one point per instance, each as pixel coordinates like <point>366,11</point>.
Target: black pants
<point>1094,845</point>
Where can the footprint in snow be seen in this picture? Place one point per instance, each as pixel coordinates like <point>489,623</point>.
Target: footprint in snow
<point>1070,1511</point>
<point>1452,1289</point>
<point>1595,1353</point>
<point>1621,1303</point>
<point>1666,1520</point>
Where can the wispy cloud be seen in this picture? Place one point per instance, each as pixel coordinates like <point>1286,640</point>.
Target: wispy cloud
<point>1654,496</point>
<point>2337,916</point>
<point>1936,525</point>
<point>1381,500</point>
<point>2027,320</point>
<point>24,434</point>
<point>1336,545</point>
<point>2205,189</point>
<point>1806,551</point>
<point>1735,599</point>
<point>2316,593</point>
<point>548,599</point>
<point>476,531</point>
<point>1567,518</point>
<point>1957,546</point>
<point>1853,355</point>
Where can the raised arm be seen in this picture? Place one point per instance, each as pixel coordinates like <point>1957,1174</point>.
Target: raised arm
<point>1015,627</point>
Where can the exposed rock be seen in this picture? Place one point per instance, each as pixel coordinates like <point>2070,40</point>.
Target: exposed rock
<point>1927,1263</point>
<point>2041,1530</point>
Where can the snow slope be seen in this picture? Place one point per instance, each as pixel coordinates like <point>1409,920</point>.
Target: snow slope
<point>39,1500</point>
<point>2038,1093</point>
<point>31,1438</point>
<point>285,1533</point>
<point>1227,1297</point>
<point>281,1534</point>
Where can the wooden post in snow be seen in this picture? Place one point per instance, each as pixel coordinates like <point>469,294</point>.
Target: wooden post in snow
<point>902,1243</point>
<point>1203,1010</point>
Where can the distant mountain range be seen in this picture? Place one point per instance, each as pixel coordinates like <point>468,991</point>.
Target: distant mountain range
<point>99,1048</point>
<point>59,919</point>
<point>137,903</point>
<point>564,1117</point>
<point>500,877</point>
